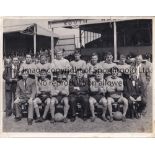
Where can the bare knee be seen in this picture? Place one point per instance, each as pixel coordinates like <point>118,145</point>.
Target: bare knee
<point>48,101</point>
<point>91,102</point>
<point>104,102</point>
<point>53,102</point>
<point>125,101</point>
<point>66,102</point>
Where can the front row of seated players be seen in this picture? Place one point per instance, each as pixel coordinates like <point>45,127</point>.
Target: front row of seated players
<point>92,93</point>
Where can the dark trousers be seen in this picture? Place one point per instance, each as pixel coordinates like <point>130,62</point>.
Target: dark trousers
<point>83,100</point>
<point>8,101</point>
<point>140,106</point>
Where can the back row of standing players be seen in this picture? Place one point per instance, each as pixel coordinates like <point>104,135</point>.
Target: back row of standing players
<point>68,83</point>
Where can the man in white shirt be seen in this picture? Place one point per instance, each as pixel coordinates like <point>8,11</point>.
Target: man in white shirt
<point>60,64</point>
<point>93,65</point>
<point>28,65</point>
<point>107,64</point>
<point>77,63</point>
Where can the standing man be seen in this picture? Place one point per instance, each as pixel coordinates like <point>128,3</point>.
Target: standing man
<point>59,93</point>
<point>61,64</point>
<point>10,75</point>
<point>97,95</point>
<point>78,63</point>
<point>93,65</point>
<point>143,73</point>
<point>79,91</point>
<point>25,93</point>
<point>115,89</point>
<point>124,68</point>
<point>108,64</point>
<point>28,65</point>
<point>43,64</point>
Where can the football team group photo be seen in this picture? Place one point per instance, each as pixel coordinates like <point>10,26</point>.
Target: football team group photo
<point>77,75</point>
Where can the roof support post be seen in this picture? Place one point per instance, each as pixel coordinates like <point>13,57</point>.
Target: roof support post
<point>52,45</point>
<point>115,41</point>
<point>35,40</point>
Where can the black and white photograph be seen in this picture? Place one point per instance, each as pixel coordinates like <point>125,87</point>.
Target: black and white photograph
<point>77,75</point>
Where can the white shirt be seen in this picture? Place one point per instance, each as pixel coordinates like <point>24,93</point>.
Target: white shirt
<point>138,70</point>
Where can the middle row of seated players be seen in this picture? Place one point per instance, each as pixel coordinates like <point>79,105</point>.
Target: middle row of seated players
<point>89,92</point>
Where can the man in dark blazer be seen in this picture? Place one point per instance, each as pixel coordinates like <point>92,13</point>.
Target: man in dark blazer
<point>25,93</point>
<point>79,90</point>
<point>10,75</point>
<point>134,92</point>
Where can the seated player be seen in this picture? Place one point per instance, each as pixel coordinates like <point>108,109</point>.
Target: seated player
<point>134,92</point>
<point>115,89</point>
<point>25,93</point>
<point>79,94</point>
<point>97,95</point>
<point>59,92</point>
<point>43,95</point>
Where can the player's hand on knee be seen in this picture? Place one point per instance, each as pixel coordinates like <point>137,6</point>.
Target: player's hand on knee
<point>17,100</point>
<point>30,101</point>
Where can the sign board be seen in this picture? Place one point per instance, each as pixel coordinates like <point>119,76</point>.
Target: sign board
<point>75,23</point>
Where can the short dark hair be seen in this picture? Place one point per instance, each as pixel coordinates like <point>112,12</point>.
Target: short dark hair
<point>28,54</point>
<point>94,54</point>
<point>77,52</point>
<point>114,68</point>
<point>42,55</point>
<point>43,70</point>
<point>122,56</point>
<point>108,53</point>
<point>25,71</point>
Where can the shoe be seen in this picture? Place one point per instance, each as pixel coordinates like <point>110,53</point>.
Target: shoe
<point>73,119</point>
<point>43,119</point>
<point>123,119</point>
<point>137,116</point>
<point>93,119</point>
<point>110,119</point>
<point>8,114</point>
<point>65,120</point>
<point>104,118</point>
<point>84,118</point>
<point>39,119</point>
<point>29,121</point>
<point>52,121</point>
<point>144,112</point>
<point>17,119</point>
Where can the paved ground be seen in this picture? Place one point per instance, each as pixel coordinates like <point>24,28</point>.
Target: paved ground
<point>142,125</point>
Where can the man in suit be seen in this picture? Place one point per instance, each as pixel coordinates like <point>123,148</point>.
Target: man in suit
<point>134,92</point>
<point>25,93</point>
<point>10,75</point>
<point>143,73</point>
<point>79,94</point>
